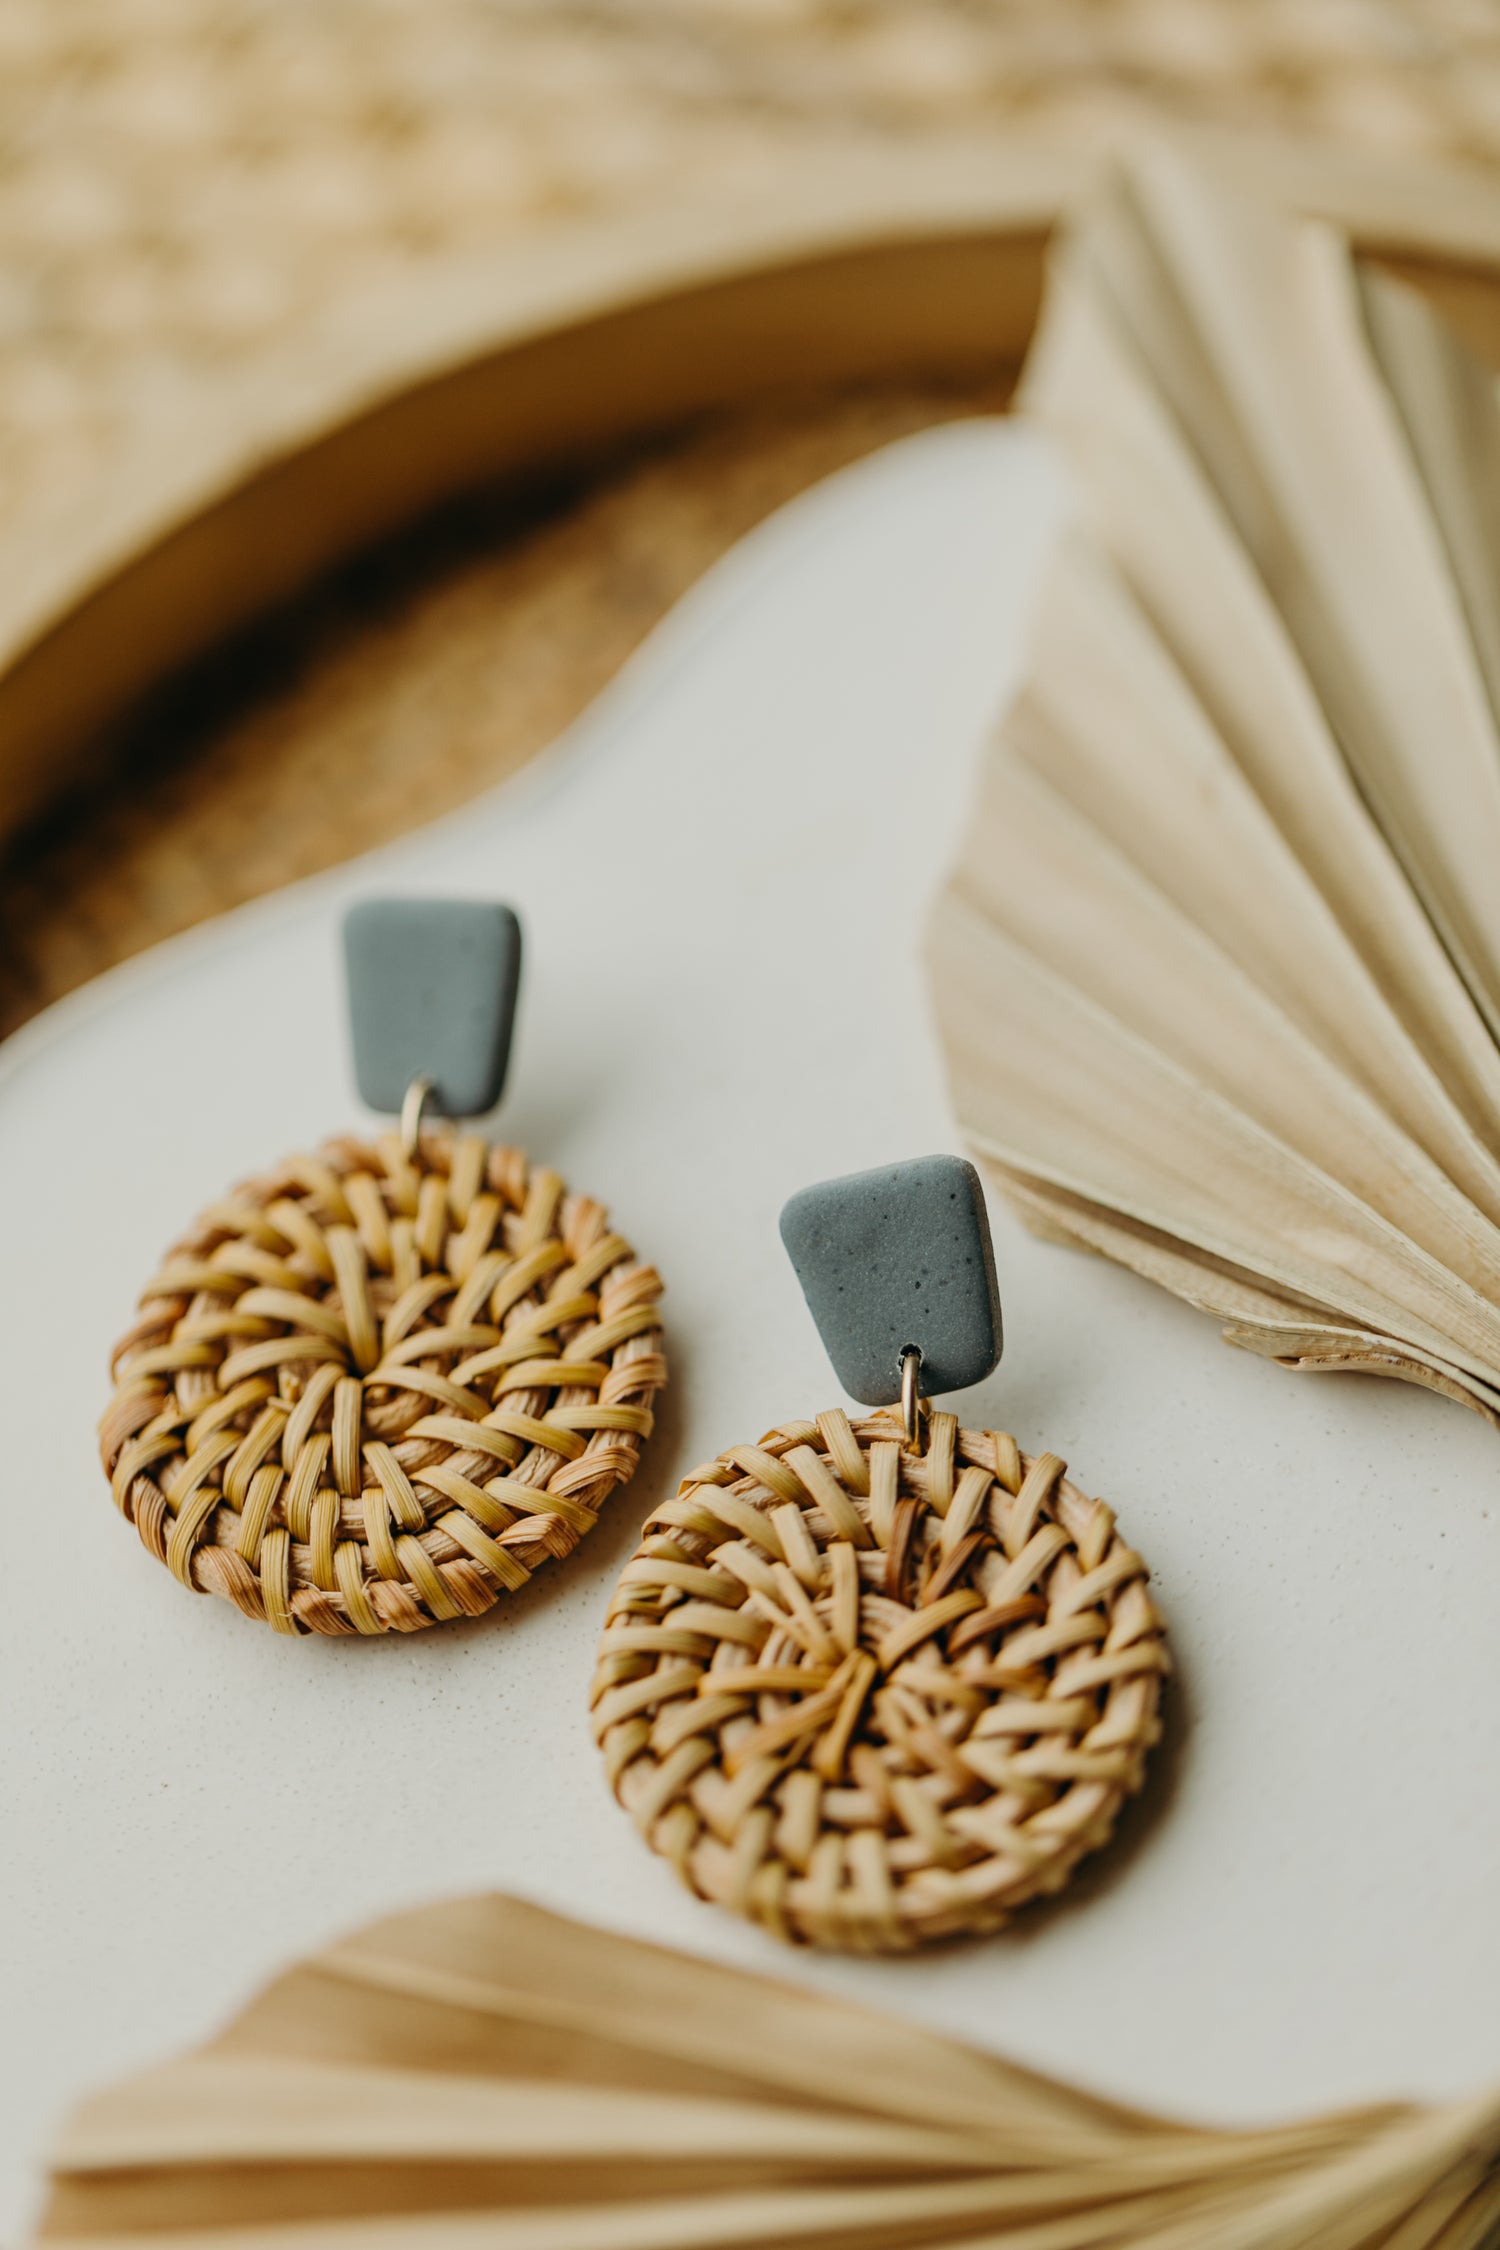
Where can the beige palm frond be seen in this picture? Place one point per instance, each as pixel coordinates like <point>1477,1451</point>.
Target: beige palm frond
<point>484,2072</point>
<point>1218,972</point>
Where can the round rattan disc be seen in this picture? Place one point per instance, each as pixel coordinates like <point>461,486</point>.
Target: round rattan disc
<point>869,1696</point>
<point>366,1395</point>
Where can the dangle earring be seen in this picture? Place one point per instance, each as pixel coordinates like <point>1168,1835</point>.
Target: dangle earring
<point>377,1387</point>
<point>875,1682</point>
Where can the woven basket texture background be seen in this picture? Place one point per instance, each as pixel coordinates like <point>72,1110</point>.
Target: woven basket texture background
<point>184,179</point>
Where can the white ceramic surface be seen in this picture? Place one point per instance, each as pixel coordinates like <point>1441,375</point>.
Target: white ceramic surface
<point>724,872</point>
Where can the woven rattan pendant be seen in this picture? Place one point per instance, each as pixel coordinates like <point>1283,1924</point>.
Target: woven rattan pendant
<point>872,1682</point>
<point>377,1387</point>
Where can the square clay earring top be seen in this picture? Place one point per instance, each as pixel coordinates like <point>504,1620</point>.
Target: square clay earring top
<point>901,1255</point>
<point>432,994</point>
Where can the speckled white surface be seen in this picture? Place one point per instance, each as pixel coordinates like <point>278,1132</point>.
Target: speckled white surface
<point>1300,1913</point>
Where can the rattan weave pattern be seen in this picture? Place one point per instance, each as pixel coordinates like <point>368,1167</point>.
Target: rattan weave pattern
<point>186,181</point>
<point>868,1696</point>
<point>366,1394</point>
<point>195,192</point>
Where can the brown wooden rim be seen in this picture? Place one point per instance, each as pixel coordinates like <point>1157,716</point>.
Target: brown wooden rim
<point>902,261</point>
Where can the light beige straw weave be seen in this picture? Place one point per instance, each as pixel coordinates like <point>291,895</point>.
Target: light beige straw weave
<point>869,1696</point>
<point>204,200</point>
<point>189,182</point>
<point>365,1395</point>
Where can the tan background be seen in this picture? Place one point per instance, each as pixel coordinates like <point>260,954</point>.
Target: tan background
<point>185,180</point>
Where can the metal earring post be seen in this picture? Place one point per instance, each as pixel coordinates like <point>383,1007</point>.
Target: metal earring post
<point>418,1094</point>
<point>911,1395</point>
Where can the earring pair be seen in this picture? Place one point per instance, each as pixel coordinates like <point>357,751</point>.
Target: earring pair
<point>377,1387</point>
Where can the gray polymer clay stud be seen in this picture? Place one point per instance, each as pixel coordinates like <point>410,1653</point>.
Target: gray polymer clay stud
<point>895,1258</point>
<point>432,995</point>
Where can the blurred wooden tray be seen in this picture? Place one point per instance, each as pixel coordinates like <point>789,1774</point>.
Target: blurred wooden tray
<point>464,495</point>
<point>921,257</point>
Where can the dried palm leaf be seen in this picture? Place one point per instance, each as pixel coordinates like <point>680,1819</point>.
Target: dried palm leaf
<point>487,2073</point>
<point>1218,972</point>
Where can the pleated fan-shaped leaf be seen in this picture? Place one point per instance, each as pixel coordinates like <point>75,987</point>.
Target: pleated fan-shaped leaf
<point>1218,971</point>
